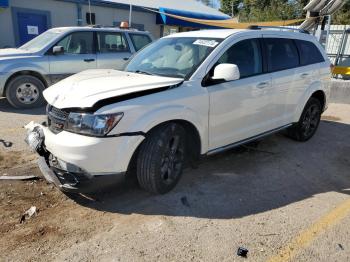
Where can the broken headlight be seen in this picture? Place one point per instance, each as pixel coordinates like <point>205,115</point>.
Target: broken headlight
<point>92,125</point>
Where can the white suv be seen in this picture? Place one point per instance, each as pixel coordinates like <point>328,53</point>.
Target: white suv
<point>185,95</point>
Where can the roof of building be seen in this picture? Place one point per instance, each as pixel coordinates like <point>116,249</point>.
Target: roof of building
<point>188,5</point>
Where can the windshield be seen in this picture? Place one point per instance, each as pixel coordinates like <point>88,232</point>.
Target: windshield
<point>40,41</point>
<point>172,57</point>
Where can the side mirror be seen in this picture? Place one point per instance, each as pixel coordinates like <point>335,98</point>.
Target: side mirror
<point>58,50</point>
<point>227,72</point>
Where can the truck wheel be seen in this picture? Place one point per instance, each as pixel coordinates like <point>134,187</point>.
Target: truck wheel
<point>161,159</point>
<point>25,91</point>
<point>308,122</point>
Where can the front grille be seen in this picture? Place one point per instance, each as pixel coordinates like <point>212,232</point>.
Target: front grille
<point>56,118</point>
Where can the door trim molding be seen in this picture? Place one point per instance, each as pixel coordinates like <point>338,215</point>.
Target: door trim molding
<point>14,13</point>
<point>247,140</point>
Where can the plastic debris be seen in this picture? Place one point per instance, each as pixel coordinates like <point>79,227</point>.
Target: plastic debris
<point>19,177</point>
<point>341,246</point>
<point>242,252</point>
<point>28,214</point>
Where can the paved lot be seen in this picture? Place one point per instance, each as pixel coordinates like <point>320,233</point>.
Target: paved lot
<point>283,200</point>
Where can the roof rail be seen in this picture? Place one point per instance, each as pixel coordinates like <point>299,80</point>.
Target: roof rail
<point>258,27</point>
<point>112,27</point>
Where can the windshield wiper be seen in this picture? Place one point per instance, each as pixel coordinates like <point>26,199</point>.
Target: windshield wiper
<point>143,72</point>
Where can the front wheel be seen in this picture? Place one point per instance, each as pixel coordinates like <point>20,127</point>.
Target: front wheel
<point>25,91</point>
<point>161,159</point>
<point>308,122</point>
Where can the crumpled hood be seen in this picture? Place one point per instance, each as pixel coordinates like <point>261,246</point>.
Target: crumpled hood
<point>90,86</point>
<point>11,52</point>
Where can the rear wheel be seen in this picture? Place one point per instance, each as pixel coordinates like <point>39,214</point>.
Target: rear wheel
<point>308,122</point>
<point>161,159</point>
<point>25,91</point>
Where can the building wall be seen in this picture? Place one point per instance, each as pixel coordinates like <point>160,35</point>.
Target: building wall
<point>66,14</point>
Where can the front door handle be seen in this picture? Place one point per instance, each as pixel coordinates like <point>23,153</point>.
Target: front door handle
<point>126,58</point>
<point>262,85</point>
<point>304,75</point>
<point>89,60</point>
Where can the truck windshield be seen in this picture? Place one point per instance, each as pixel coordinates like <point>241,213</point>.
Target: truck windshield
<point>172,57</point>
<point>40,41</point>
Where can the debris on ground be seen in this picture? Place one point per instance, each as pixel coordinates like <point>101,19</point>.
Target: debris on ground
<point>341,246</point>
<point>28,214</point>
<point>184,201</point>
<point>6,143</point>
<point>19,177</point>
<point>242,252</point>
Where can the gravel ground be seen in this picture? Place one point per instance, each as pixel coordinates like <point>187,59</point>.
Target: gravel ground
<point>261,198</point>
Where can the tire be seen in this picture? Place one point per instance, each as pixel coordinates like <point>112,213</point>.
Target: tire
<point>161,159</point>
<point>308,122</point>
<point>25,91</point>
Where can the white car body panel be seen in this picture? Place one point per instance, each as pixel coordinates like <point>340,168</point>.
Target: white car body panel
<point>85,89</point>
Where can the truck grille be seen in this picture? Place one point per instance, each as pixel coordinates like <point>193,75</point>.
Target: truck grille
<point>56,118</point>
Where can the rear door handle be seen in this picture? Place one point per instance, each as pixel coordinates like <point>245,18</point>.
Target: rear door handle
<point>262,85</point>
<point>126,58</point>
<point>89,60</point>
<point>304,75</point>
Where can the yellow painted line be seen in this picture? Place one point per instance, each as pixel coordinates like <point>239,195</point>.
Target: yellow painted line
<point>307,236</point>
<point>341,70</point>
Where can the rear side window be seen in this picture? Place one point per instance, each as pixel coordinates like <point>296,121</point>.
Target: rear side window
<point>309,53</point>
<point>281,54</point>
<point>140,40</point>
<point>246,55</point>
<point>110,42</point>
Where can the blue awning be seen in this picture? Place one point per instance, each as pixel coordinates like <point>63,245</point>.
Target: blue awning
<point>162,18</point>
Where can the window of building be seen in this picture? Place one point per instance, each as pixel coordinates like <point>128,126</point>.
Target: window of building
<point>140,40</point>
<point>309,53</point>
<point>90,18</point>
<point>77,43</point>
<point>281,54</point>
<point>112,42</point>
<point>246,55</point>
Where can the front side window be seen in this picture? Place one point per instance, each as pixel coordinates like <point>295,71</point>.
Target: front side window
<point>173,57</point>
<point>246,55</point>
<point>281,54</point>
<point>112,42</point>
<point>77,43</point>
<point>140,40</point>
<point>309,53</point>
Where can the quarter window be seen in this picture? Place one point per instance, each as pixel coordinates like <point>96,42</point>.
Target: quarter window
<point>281,54</point>
<point>140,40</point>
<point>77,43</point>
<point>246,55</point>
<point>309,53</point>
<point>112,42</point>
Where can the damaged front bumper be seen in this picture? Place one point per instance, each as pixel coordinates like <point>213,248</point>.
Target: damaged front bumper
<point>66,176</point>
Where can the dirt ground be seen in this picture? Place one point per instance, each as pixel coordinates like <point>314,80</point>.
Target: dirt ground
<point>282,200</point>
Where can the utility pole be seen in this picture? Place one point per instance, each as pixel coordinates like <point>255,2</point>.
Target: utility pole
<point>130,14</point>
<point>90,13</point>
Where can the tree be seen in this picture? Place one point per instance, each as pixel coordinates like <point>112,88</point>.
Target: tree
<point>270,10</point>
<point>227,6</point>
<point>342,17</point>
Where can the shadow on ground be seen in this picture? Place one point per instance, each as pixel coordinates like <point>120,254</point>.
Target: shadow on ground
<point>243,182</point>
<point>6,107</point>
